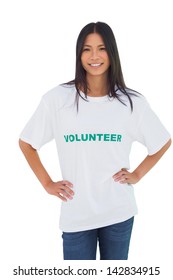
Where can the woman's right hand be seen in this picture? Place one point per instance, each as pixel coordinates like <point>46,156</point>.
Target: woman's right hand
<point>61,189</point>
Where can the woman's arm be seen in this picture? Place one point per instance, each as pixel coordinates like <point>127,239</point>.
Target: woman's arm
<point>61,189</point>
<point>125,177</point>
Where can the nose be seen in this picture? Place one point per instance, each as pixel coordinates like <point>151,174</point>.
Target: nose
<point>94,54</point>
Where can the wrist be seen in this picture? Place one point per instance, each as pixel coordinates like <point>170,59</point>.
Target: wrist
<point>137,176</point>
<point>47,184</point>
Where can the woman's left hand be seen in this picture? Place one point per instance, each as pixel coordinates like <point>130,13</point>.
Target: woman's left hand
<point>125,177</point>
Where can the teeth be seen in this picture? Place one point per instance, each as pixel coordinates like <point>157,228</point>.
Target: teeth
<point>96,64</point>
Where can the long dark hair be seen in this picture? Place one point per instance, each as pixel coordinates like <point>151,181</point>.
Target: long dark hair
<point>115,75</point>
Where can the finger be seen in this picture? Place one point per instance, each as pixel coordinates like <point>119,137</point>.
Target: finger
<point>116,179</point>
<point>124,169</point>
<point>67,183</point>
<point>125,180</point>
<point>122,172</point>
<point>117,174</point>
<point>67,190</point>
<point>122,178</point>
<point>61,197</point>
<point>119,177</point>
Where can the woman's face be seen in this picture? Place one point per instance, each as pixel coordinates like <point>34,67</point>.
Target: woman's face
<point>94,56</point>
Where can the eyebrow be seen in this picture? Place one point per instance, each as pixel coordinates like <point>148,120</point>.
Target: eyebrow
<point>101,45</point>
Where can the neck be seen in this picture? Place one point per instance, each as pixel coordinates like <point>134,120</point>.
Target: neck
<point>98,86</point>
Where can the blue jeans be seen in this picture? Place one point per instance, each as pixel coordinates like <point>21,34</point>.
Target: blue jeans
<point>114,241</point>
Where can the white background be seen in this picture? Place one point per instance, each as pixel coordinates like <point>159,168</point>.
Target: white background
<point>38,39</point>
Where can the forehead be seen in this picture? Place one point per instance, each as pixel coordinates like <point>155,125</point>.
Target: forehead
<point>94,39</point>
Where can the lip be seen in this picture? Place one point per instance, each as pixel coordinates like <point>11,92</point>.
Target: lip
<point>95,65</point>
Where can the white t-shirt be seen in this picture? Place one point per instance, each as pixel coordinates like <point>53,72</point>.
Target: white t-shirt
<point>93,144</point>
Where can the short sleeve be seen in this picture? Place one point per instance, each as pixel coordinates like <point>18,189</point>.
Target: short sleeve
<point>38,131</point>
<point>151,132</point>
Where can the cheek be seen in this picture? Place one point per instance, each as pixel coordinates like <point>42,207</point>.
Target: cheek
<point>83,64</point>
<point>83,57</point>
<point>107,59</point>
<point>108,63</point>
<point>84,61</point>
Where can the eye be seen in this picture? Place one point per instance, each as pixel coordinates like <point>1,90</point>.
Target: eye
<point>102,49</point>
<point>86,50</point>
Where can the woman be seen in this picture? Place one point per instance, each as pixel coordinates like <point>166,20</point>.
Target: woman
<point>94,120</point>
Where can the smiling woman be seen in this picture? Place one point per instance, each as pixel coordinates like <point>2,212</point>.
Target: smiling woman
<point>98,63</point>
<point>94,140</point>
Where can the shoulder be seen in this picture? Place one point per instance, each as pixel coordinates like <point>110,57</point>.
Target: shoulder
<point>60,95</point>
<point>139,101</point>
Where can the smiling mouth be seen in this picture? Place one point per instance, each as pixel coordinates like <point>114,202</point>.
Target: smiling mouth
<point>95,64</point>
